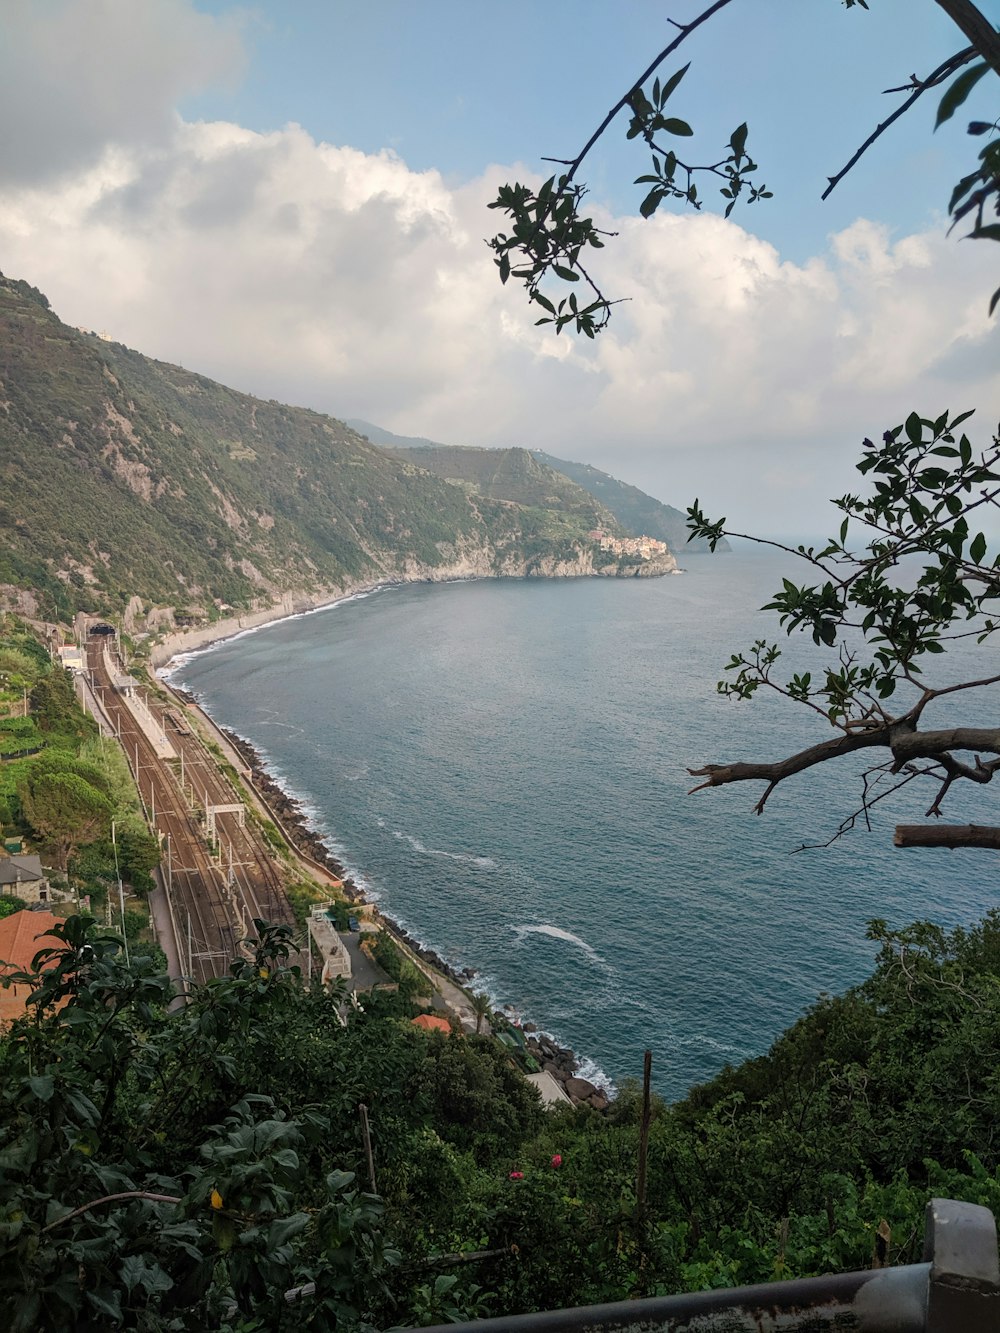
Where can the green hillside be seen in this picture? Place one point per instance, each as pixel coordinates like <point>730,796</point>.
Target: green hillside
<point>634,509</point>
<point>511,475</point>
<point>626,509</point>
<point>123,475</point>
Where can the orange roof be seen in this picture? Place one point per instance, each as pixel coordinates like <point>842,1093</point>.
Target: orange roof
<point>18,945</point>
<point>431,1023</point>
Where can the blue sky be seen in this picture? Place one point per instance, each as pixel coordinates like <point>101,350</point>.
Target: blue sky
<point>292,198</point>
<point>454,86</point>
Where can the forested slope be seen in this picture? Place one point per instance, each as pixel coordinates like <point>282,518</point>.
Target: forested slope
<point>123,475</point>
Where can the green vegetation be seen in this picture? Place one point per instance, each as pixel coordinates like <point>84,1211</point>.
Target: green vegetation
<point>517,476</point>
<point>230,1134</point>
<point>634,510</point>
<point>129,476</point>
<point>69,796</point>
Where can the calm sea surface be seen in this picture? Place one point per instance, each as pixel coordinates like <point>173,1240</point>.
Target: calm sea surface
<point>502,764</point>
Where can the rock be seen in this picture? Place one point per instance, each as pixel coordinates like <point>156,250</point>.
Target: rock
<point>549,1068</point>
<point>579,1089</point>
<point>599,1101</point>
<point>530,1027</point>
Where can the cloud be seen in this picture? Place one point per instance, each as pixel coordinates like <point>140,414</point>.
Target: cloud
<point>79,75</point>
<point>347,282</point>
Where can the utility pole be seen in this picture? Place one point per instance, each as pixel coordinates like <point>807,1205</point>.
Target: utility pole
<point>121,890</point>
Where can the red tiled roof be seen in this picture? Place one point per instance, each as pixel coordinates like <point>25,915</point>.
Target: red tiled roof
<point>431,1023</point>
<point>19,943</point>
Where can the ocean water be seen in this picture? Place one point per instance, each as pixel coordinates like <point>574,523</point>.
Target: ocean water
<point>502,764</point>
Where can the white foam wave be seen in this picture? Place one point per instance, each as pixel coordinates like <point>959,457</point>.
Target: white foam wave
<point>557,933</point>
<point>465,858</point>
<point>166,671</point>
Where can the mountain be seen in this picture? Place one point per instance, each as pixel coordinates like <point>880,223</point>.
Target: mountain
<point>128,477</point>
<point>631,510</point>
<point>385,437</point>
<point>514,476</point>
<point>634,509</point>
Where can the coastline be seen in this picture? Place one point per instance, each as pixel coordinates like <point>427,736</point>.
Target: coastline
<point>559,1062</point>
<point>180,642</point>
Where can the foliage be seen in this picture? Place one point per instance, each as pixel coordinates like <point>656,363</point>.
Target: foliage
<point>185,1169</point>
<point>549,244</point>
<point>64,810</point>
<point>216,499</point>
<point>930,491</point>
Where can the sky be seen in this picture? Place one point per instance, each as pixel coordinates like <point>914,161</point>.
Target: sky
<point>292,198</point>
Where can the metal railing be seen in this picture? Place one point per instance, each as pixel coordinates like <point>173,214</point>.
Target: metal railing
<point>955,1290</point>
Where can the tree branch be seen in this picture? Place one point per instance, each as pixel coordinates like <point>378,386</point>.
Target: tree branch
<point>943,70</point>
<point>685,29</point>
<point>977,27</point>
<point>719,775</point>
<point>947,835</point>
<point>111,1198</point>
<point>905,744</point>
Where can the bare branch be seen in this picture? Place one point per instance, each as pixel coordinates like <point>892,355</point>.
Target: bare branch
<point>920,86</point>
<point>977,27</point>
<point>863,809</point>
<point>905,744</point>
<point>111,1198</point>
<point>947,835</point>
<point>719,775</point>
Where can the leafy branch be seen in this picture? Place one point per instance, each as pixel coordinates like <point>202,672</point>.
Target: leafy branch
<point>926,484</point>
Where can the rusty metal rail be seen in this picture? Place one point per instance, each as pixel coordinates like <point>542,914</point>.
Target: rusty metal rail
<point>955,1290</point>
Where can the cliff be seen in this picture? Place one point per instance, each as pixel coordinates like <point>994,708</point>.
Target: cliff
<point>129,478</point>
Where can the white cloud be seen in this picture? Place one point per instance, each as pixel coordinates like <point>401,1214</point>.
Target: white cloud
<point>78,75</point>
<point>348,282</point>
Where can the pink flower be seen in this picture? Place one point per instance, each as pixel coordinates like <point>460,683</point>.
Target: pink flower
<point>517,1175</point>
<point>556,1160</point>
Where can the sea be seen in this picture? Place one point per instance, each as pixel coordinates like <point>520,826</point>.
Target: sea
<point>503,766</point>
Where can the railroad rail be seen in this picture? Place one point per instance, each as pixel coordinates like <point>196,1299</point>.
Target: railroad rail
<point>217,884</point>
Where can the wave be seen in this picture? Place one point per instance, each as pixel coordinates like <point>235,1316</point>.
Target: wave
<point>557,933</point>
<point>181,659</point>
<point>465,858</point>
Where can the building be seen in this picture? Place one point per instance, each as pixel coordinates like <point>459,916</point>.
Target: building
<point>71,657</point>
<point>22,876</point>
<point>336,961</point>
<point>644,547</point>
<point>19,942</point>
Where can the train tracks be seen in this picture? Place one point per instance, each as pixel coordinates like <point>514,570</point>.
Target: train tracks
<point>217,868</point>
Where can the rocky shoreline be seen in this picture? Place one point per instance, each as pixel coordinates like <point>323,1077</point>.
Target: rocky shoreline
<point>558,1061</point>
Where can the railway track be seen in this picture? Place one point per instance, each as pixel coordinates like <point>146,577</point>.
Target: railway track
<point>219,873</point>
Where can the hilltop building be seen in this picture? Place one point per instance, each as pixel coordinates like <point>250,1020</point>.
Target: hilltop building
<point>644,547</point>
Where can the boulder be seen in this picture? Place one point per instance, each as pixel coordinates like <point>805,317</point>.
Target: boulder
<point>579,1089</point>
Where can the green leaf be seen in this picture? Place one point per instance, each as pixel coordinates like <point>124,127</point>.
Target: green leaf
<point>914,428</point>
<point>106,1302</point>
<point>282,1230</point>
<point>43,1086</point>
<point>671,84</point>
<point>978,549</point>
<point>566,274</point>
<point>738,139</point>
<point>959,91</point>
<point>679,127</point>
<point>651,202</point>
